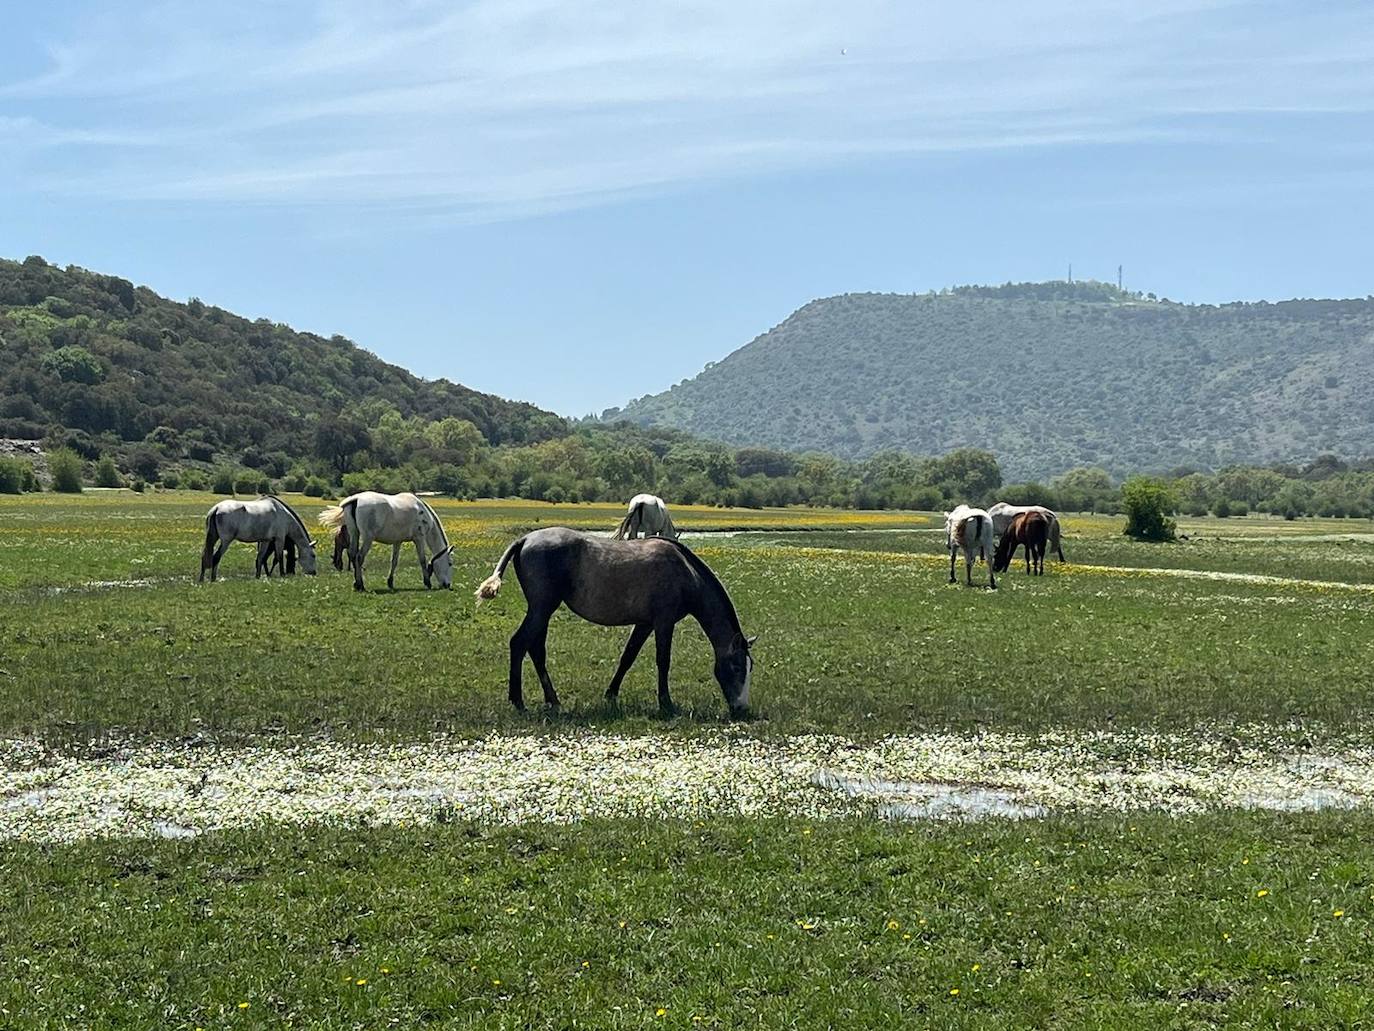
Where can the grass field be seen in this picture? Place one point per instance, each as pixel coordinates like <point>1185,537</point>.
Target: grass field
<point>1245,648</point>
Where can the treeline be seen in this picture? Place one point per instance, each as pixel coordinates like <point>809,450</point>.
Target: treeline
<point>1327,486</point>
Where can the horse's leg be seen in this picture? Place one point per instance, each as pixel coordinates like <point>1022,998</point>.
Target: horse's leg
<point>364,546</point>
<point>422,558</point>
<point>638,636</point>
<point>395,557</point>
<point>1028,558</point>
<point>279,556</point>
<point>219,554</point>
<point>663,647</point>
<point>968,565</point>
<point>519,644</point>
<point>952,552</point>
<point>539,656</point>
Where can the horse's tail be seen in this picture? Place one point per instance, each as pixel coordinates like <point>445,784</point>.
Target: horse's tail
<point>492,584</point>
<point>207,554</point>
<point>668,526</point>
<point>332,517</point>
<point>982,534</point>
<point>1054,539</point>
<point>623,529</point>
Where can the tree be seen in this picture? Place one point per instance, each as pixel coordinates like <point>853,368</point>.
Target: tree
<point>338,440</point>
<point>1149,503</point>
<point>460,440</point>
<point>106,475</point>
<point>74,365</point>
<point>66,471</point>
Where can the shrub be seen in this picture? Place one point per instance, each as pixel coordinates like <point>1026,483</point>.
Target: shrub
<point>11,475</point>
<point>194,480</point>
<point>66,471</point>
<point>223,481</point>
<point>252,483</point>
<point>1148,503</point>
<point>106,475</point>
<point>315,487</point>
<point>171,479</point>
<point>139,485</point>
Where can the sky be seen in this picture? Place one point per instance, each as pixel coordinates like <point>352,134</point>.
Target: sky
<point>576,203</point>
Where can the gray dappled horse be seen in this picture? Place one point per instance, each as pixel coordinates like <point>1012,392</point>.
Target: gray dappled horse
<point>392,519</point>
<point>1003,513</point>
<point>648,514</point>
<point>970,529</point>
<point>650,585</point>
<point>266,521</point>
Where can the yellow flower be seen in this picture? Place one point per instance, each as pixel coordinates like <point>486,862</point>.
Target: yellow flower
<point>496,982</point>
<point>892,925</point>
<point>585,964</point>
<point>954,991</point>
<point>1338,913</point>
<point>661,1012</point>
<point>1261,893</point>
<point>360,982</point>
<point>386,970</point>
<point>976,967</point>
<point>243,1005</point>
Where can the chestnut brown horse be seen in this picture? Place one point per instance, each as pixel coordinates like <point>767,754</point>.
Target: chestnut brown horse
<point>1031,529</point>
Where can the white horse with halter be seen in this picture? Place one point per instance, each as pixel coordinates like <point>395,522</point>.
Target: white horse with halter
<point>392,519</point>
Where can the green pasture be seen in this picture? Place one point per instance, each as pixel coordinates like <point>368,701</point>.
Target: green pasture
<point>1233,918</point>
<point>1238,921</point>
<point>106,631</point>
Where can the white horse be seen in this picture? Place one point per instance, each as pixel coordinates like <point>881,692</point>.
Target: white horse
<point>970,529</point>
<point>1003,513</point>
<point>392,519</point>
<point>267,520</point>
<point>649,514</point>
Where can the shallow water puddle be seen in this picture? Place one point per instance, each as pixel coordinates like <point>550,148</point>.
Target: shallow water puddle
<point>181,791</point>
<point>929,800</point>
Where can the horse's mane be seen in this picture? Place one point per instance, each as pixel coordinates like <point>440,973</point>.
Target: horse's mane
<point>435,516</point>
<point>291,511</point>
<point>707,574</point>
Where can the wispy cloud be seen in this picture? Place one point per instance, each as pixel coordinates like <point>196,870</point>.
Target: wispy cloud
<point>499,108</point>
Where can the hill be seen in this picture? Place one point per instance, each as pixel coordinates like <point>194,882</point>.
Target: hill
<point>1047,377</point>
<point>92,360</point>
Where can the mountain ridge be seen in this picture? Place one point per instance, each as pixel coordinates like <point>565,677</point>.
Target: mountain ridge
<point>1048,376</point>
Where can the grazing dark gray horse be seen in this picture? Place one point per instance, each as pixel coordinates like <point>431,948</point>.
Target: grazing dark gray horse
<point>650,584</point>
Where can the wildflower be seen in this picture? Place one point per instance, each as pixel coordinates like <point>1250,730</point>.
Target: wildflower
<point>585,964</point>
<point>243,1005</point>
<point>661,1012</point>
<point>1261,893</point>
<point>386,970</point>
<point>360,982</point>
<point>892,925</point>
<point>954,991</point>
<point>496,982</point>
<point>976,967</point>
<point>1338,913</point>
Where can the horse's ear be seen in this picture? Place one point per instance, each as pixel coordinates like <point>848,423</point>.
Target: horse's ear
<point>750,640</point>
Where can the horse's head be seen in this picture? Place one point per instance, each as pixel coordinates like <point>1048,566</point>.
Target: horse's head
<point>307,557</point>
<point>441,565</point>
<point>1005,548</point>
<point>734,666</point>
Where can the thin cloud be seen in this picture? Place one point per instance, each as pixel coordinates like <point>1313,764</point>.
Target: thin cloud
<point>509,107</point>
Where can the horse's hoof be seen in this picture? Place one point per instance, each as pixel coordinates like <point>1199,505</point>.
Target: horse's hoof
<point>358,587</point>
